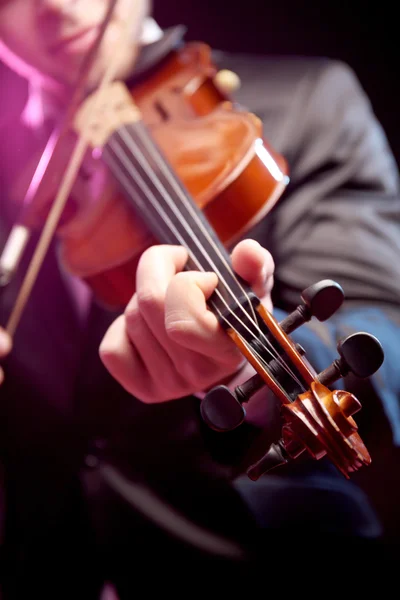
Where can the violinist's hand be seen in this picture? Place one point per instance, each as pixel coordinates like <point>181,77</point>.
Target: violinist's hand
<point>5,348</point>
<point>168,344</point>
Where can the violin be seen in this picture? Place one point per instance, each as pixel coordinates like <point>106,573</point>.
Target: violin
<point>214,153</point>
<point>191,168</point>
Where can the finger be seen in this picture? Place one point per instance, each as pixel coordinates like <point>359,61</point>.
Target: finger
<point>156,359</point>
<point>181,370</point>
<point>185,324</point>
<point>255,264</point>
<point>121,359</point>
<point>189,322</point>
<point>130,366</point>
<point>157,265</point>
<point>178,370</point>
<point>156,268</point>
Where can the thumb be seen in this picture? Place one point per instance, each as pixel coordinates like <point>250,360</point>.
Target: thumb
<point>255,264</point>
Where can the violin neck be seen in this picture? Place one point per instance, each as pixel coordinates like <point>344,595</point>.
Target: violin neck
<point>163,203</point>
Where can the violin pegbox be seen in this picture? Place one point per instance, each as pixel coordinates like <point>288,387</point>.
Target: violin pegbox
<point>317,421</point>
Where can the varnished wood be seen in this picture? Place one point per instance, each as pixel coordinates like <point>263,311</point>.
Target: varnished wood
<point>288,345</point>
<point>318,419</point>
<point>258,366</point>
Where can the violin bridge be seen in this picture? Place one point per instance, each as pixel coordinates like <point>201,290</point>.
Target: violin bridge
<point>105,111</point>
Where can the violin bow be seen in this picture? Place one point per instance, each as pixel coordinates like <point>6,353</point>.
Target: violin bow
<point>74,163</point>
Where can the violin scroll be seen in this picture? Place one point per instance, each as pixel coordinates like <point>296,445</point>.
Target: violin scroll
<point>318,421</point>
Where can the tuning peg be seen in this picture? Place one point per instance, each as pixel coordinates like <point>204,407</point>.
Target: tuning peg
<point>320,300</point>
<point>222,410</point>
<point>360,353</point>
<point>276,456</point>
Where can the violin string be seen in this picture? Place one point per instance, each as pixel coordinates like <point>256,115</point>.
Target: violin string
<point>268,348</point>
<point>147,192</point>
<point>182,195</point>
<point>156,155</point>
<point>119,152</point>
<point>172,205</point>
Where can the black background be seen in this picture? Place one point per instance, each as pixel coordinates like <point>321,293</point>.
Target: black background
<point>366,37</point>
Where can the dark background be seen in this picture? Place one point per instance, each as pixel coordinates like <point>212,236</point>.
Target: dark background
<point>366,37</point>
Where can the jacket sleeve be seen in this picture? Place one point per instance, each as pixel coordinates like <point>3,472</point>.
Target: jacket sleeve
<point>340,216</point>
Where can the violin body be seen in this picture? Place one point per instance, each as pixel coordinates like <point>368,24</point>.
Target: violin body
<point>216,150</point>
